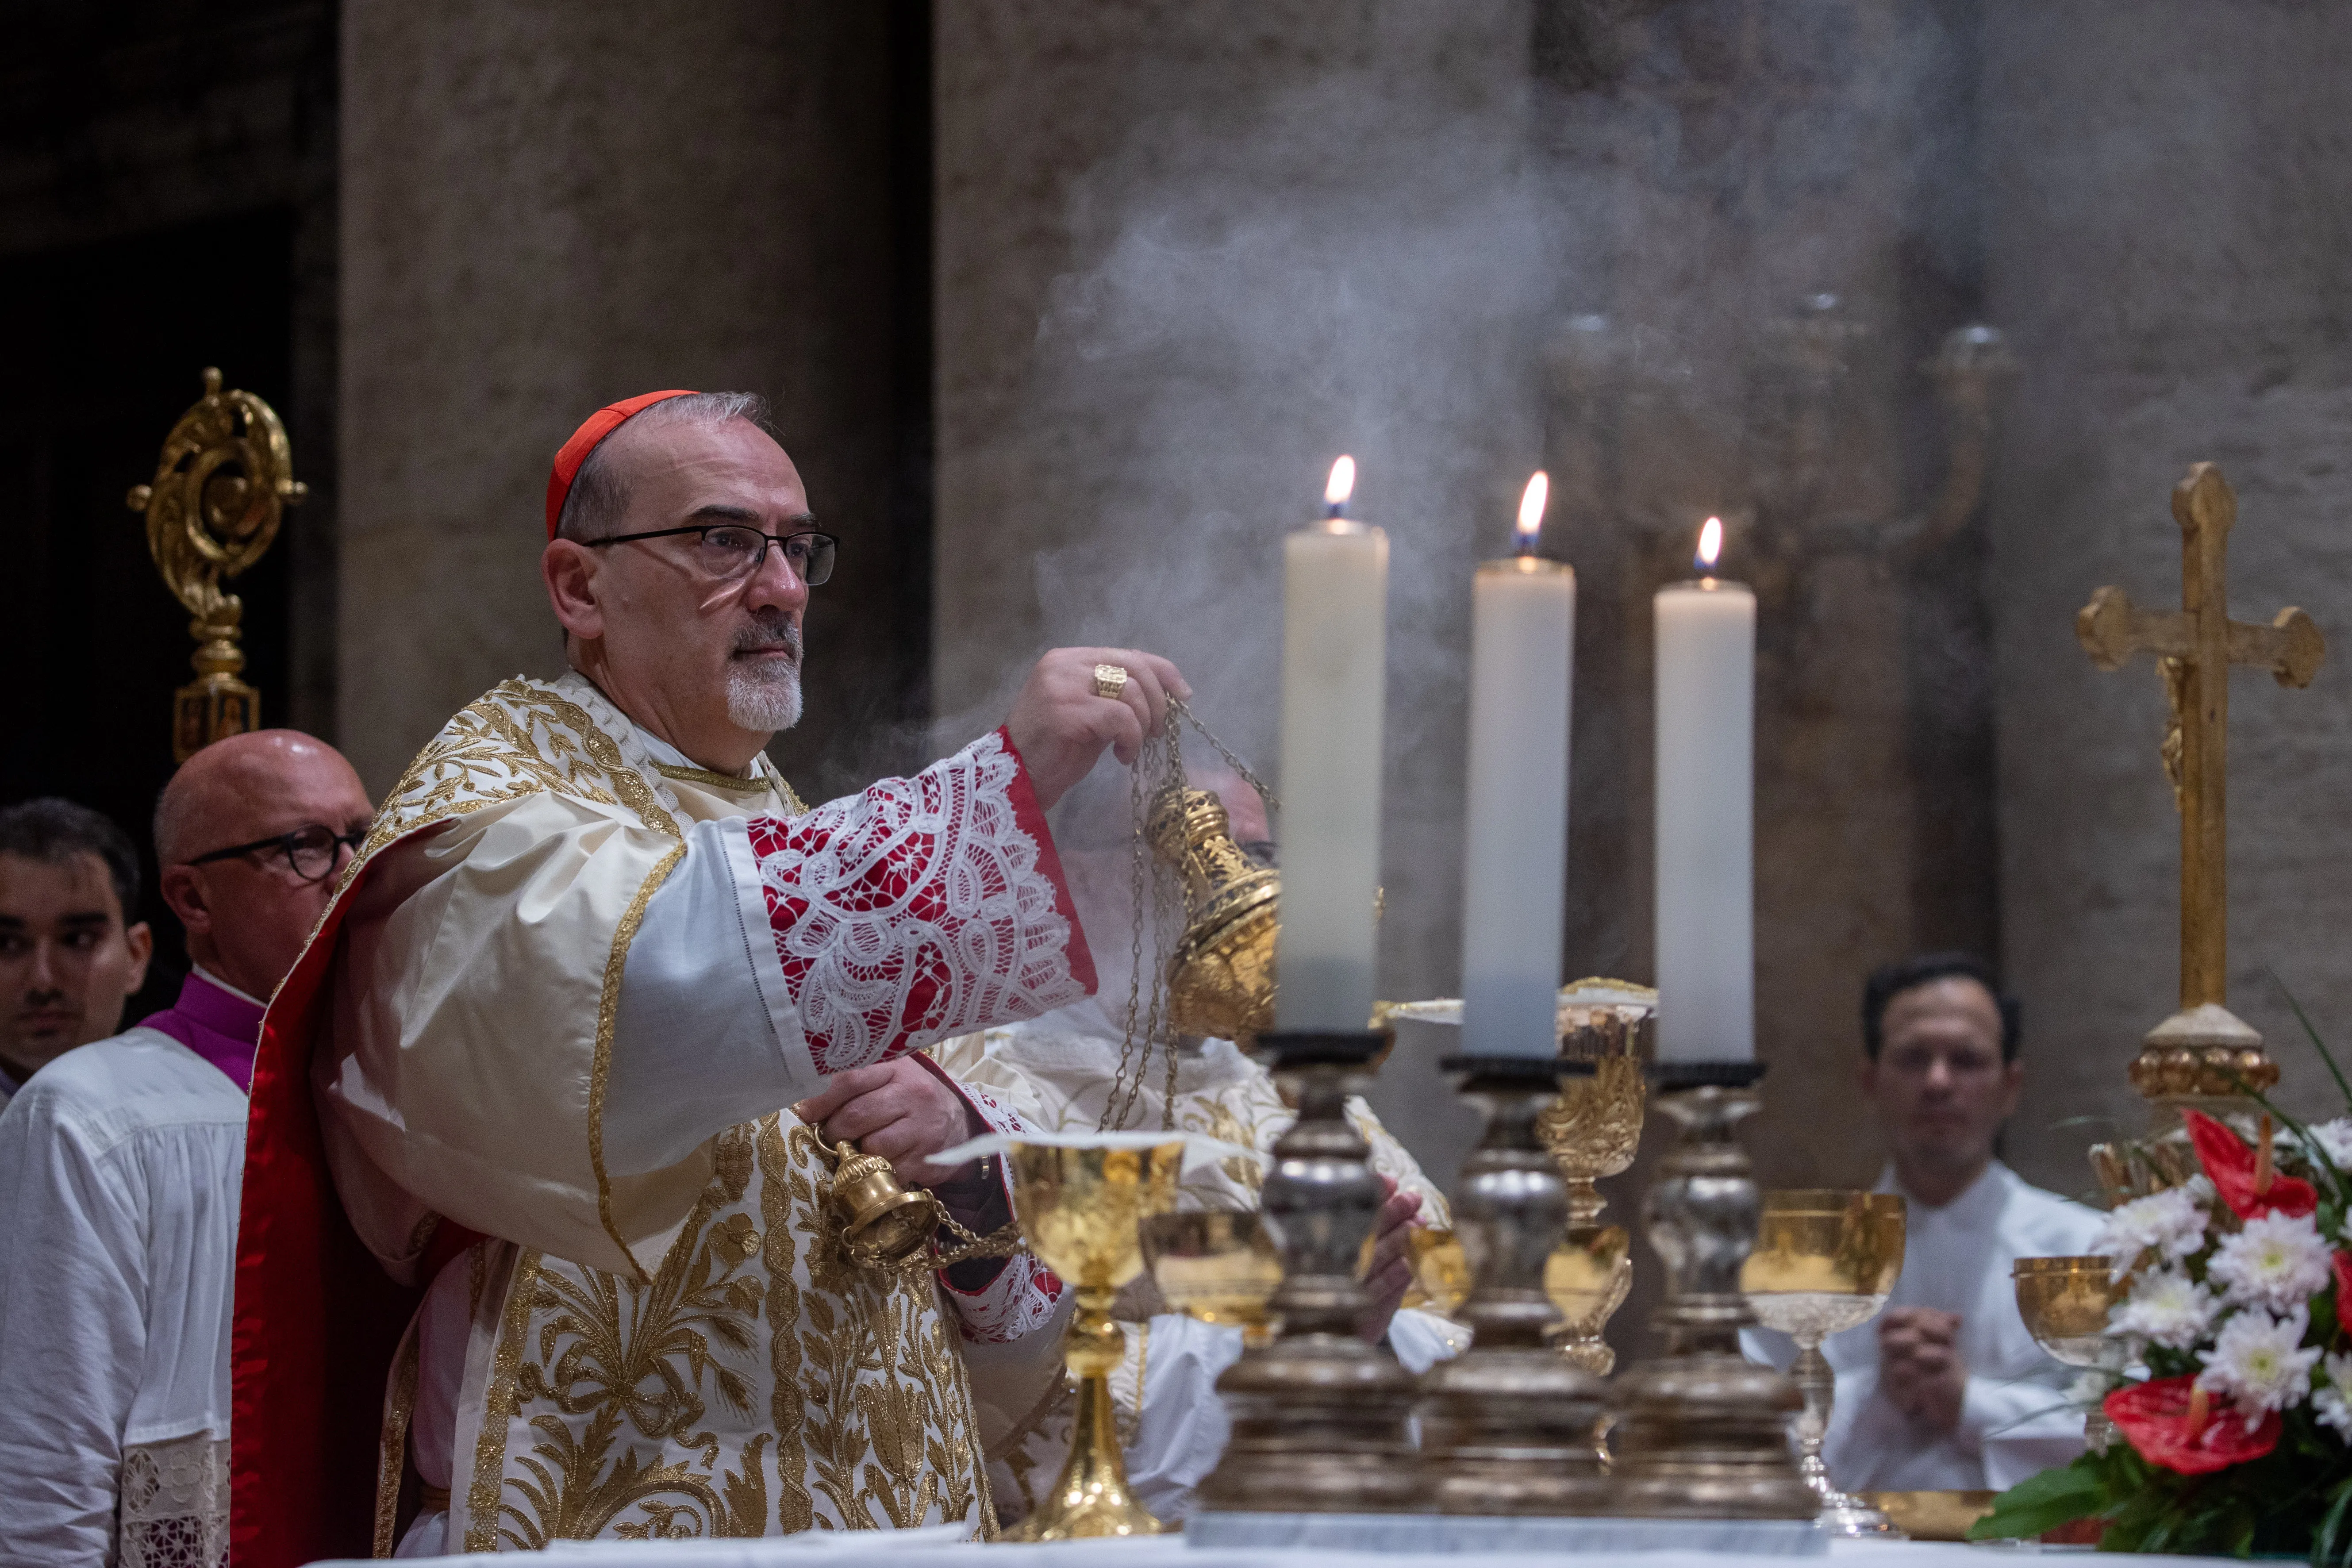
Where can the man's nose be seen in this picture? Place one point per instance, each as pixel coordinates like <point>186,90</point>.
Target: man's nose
<point>46,968</point>
<point>1940,1073</point>
<point>775,584</point>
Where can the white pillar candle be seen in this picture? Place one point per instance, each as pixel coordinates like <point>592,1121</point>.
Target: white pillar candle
<point>1705,829</point>
<point>1515,853</point>
<point>1334,650</point>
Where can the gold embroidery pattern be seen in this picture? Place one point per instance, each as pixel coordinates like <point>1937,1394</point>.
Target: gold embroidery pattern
<point>392,1446</point>
<point>630,1400</point>
<point>725,783</point>
<point>782,1187</point>
<point>499,1405</point>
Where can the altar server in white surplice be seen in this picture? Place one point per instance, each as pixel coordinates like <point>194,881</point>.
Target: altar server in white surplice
<point>1947,1391</point>
<point>119,1168</point>
<point>582,1030</point>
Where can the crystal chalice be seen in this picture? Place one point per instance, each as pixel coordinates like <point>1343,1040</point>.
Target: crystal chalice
<point>1825,1261</point>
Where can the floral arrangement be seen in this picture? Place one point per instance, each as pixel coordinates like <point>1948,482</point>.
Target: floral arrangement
<point>2236,1415</point>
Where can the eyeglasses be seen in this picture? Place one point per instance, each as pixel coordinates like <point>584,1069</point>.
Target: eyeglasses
<point>312,852</point>
<point>729,550</point>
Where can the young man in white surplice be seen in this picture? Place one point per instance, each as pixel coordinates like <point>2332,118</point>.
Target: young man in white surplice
<point>1947,1391</point>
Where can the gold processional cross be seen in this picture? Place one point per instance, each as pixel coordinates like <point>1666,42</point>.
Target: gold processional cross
<point>2203,1051</point>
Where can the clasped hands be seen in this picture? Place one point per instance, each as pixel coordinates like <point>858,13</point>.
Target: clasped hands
<point>1919,1366</point>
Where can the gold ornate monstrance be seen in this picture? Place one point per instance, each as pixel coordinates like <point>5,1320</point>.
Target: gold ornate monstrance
<point>221,488</point>
<point>2203,1051</point>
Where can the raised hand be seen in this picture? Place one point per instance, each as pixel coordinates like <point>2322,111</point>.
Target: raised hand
<point>1061,722</point>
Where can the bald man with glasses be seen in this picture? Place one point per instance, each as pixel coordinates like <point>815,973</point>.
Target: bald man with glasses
<point>121,1166</point>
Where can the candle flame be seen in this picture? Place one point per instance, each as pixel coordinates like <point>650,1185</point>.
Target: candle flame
<point>1343,483</point>
<point>1531,511</point>
<point>1710,545</point>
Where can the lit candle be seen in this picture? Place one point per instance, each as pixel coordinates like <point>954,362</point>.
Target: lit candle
<point>1515,856</point>
<point>1334,648</point>
<point>1707,770</point>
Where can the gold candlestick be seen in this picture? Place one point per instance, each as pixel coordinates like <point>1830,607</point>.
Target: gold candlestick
<point>1825,1261</point>
<point>1080,1209</point>
<point>1703,1432</point>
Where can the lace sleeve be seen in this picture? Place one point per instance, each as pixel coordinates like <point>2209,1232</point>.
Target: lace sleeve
<point>1021,1297</point>
<point>175,1503</point>
<point>922,907</point>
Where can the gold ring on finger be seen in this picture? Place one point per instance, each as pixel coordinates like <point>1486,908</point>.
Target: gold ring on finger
<point>1110,681</point>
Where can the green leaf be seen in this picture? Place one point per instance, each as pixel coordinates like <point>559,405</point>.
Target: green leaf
<point>2045,1502</point>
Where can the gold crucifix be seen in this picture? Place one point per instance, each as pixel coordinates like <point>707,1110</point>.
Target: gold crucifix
<point>2202,1050</point>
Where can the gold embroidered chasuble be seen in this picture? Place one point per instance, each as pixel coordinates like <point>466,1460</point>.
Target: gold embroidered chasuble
<point>684,1350</point>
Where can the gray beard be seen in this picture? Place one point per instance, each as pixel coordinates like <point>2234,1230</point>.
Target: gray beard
<point>767,699</point>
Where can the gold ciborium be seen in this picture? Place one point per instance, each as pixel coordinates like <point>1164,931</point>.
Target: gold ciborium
<point>2065,1302</point>
<point>1219,1266</point>
<point>1081,1209</point>
<point>1221,977</point>
<point>1825,1261</point>
<point>1592,1131</point>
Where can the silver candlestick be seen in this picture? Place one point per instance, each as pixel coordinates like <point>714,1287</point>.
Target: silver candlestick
<point>1507,1426</point>
<point>1319,1417</point>
<point>1703,1432</point>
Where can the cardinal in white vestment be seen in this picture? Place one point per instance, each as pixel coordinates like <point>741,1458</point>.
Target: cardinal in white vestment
<point>1947,1391</point>
<point>539,1061</point>
<point>119,1167</point>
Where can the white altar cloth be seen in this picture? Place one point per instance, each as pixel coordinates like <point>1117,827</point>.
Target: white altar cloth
<point>923,1548</point>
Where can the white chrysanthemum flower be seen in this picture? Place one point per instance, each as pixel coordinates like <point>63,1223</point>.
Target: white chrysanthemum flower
<point>2257,1362</point>
<point>2169,1221</point>
<point>2167,1308</point>
<point>2277,1261</point>
<point>2334,1140</point>
<point>2334,1400</point>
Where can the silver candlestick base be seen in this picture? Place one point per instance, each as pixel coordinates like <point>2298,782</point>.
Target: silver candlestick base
<point>1703,1432</point>
<point>1319,1417</point>
<point>1507,1426</point>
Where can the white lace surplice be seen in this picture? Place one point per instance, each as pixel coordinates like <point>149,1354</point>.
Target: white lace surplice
<point>120,1168</point>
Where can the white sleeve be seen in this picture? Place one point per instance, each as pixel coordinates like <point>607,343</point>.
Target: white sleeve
<point>705,1036</point>
<point>73,1333</point>
<point>1181,1425</point>
<point>2019,1428</point>
<point>1421,1340</point>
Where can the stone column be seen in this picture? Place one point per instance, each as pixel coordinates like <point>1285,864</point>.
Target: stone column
<point>548,207</point>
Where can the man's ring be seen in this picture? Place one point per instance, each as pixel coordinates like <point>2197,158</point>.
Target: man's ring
<point>1110,681</point>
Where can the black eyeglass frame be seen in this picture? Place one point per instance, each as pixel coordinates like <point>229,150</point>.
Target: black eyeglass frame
<point>286,844</point>
<point>767,541</point>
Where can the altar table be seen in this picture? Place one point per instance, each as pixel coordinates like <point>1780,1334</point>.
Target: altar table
<point>924,1549</point>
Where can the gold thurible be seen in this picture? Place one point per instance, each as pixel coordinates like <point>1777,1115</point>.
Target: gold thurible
<point>1221,977</point>
<point>221,488</point>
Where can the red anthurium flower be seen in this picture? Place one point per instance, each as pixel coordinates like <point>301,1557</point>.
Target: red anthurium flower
<point>2169,1424</point>
<point>2245,1181</point>
<point>2343,1261</point>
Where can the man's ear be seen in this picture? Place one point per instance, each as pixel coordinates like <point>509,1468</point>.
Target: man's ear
<point>2012,1087</point>
<point>569,569</point>
<point>140,940</point>
<point>183,893</point>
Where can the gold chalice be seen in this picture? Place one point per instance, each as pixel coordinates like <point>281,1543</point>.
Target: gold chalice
<point>1219,1266</point>
<point>1441,1273</point>
<point>1825,1261</point>
<point>1081,1210</point>
<point>2065,1302</point>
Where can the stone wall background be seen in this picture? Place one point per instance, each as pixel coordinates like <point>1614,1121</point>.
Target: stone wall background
<point>550,206</point>
<point>2169,201</point>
